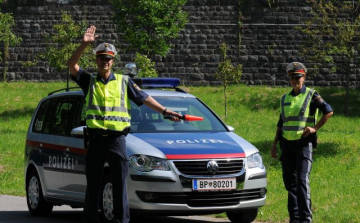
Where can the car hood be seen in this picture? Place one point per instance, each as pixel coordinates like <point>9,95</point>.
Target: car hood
<point>195,145</point>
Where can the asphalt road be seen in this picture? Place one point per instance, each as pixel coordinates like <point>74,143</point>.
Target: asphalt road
<point>14,210</point>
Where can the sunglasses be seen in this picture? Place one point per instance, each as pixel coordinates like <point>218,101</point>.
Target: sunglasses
<point>104,58</point>
<point>295,78</point>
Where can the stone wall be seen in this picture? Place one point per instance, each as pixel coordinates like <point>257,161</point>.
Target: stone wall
<point>268,40</point>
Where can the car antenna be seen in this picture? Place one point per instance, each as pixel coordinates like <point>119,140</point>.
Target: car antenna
<point>67,81</point>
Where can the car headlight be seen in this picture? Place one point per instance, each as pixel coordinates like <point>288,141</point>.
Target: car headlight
<point>148,163</point>
<point>255,160</point>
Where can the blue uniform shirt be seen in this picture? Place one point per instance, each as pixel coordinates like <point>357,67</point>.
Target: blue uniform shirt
<point>324,107</point>
<point>135,94</point>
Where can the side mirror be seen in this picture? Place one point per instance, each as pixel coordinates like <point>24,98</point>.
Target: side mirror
<point>230,128</point>
<point>78,132</point>
<point>131,70</point>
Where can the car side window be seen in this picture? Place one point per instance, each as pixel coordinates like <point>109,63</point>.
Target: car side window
<point>62,119</point>
<point>40,116</point>
<point>49,116</point>
<point>57,116</point>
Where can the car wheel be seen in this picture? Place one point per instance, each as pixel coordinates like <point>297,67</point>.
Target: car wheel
<point>36,203</point>
<point>245,216</point>
<point>106,201</point>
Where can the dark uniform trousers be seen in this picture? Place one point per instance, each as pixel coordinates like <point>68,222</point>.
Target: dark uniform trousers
<point>296,160</point>
<point>113,149</point>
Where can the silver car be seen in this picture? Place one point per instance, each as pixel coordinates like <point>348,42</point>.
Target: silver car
<point>184,168</point>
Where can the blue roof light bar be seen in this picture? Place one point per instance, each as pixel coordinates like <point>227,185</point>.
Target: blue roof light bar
<point>159,82</point>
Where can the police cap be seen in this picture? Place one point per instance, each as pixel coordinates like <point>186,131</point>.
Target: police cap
<point>296,69</point>
<point>106,49</point>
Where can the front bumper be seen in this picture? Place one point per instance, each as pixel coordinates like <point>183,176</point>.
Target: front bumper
<point>167,192</point>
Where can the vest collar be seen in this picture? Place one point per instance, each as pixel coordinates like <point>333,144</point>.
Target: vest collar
<point>302,91</point>
<point>111,78</point>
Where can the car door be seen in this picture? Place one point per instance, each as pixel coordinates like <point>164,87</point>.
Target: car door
<point>51,176</point>
<point>56,143</point>
<point>51,154</point>
<point>74,177</point>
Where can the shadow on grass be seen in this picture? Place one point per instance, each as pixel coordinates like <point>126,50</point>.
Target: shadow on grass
<point>271,101</point>
<point>256,102</point>
<point>16,113</point>
<point>336,98</point>
<point>326,149</point>
<point>8,132</point>
<point>323,150</point>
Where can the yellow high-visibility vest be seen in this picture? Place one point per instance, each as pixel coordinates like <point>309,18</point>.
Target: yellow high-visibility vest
<point>108,104</point>
<point>295,113</point>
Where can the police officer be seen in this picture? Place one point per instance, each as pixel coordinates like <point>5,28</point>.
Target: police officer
<point>296,131</point>
<point>108,98</point>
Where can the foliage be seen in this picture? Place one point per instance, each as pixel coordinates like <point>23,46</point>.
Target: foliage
<point>63,43</point>
<point>145,66</point>
<point>149,25</point>
<point>272,3</point>
<point>227,73</point>
<point>7,37</point>
<point>333,36</point>
<point>66,42</point>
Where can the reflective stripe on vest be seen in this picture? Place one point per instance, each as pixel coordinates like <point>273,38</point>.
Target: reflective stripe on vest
<point>108,105</point>
<point>295,113</point>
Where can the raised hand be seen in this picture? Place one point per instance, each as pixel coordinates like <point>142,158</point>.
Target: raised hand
<point>89,35</point>
<point>88,38</point>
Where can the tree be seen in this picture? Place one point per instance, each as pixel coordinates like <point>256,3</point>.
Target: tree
<point>333,37</point>
<point>63,43</point>
<point>227,73</point>
<point>149,25</point>
<point>145,66</point>
<point>7,37</point>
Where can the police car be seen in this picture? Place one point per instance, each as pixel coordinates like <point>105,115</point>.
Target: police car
<point>176,168</point>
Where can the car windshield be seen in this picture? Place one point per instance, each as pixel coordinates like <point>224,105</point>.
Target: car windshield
<point>144,119</point>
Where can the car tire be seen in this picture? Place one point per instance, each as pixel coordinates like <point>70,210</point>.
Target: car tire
<point>36,203</point>
<point>245,216</point>
<point>106,200</point>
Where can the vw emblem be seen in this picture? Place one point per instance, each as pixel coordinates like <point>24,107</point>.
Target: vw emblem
<point>212,167</point>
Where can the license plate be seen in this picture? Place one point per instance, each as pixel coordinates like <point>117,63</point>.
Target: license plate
<point>214,184</point>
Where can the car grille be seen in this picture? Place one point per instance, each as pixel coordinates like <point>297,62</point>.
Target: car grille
<point>198,167</point>
<point>201,199</point>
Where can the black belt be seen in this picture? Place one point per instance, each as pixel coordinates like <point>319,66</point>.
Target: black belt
<point>300,142</point>
<point>294,142</point>
<point>104,133</point>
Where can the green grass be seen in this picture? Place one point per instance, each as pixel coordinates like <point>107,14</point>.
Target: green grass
<point>253,112</point>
